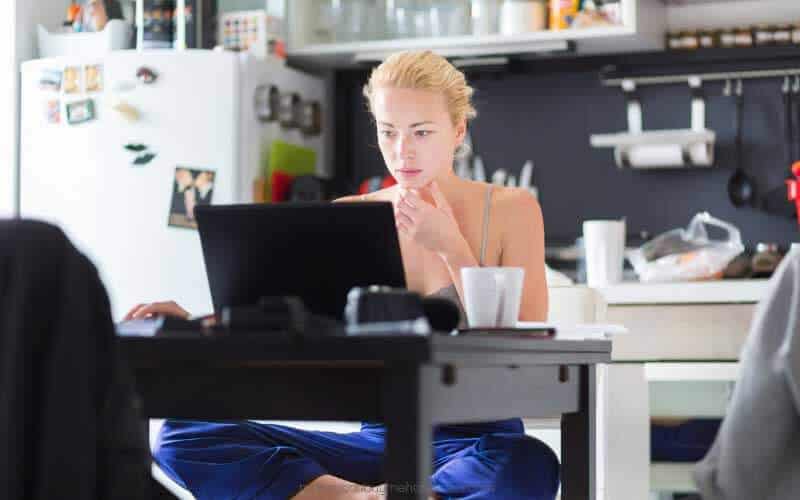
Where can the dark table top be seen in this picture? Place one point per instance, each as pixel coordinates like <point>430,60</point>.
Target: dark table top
<point>486,348</point>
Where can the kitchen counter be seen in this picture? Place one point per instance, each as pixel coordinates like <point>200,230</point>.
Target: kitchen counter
<point>692,292</point>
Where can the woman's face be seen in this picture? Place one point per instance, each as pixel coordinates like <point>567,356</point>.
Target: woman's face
<point>415,133</point>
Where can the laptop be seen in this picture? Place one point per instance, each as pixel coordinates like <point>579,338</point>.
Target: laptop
<point>316,251</point>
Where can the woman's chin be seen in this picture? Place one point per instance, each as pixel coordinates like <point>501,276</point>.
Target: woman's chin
<point>413,183</point>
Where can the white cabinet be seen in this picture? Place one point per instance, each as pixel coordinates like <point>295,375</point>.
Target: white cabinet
<point>336,32</point>
<point>687,338</point>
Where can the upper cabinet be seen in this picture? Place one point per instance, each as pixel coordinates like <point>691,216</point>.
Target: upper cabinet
<point>341,32</point>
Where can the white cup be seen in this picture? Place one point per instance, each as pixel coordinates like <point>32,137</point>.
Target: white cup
<point>604,244</point>
<point>492,295</point>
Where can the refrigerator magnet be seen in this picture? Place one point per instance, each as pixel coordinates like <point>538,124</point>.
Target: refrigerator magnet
<point>72,80</point>
<point>134,147</point>
<point>144,159</point>
<point>53,111</point>
<point>126,111</point>
<point>146,75</point>
<point>94,77</point>
<point>190,188</point>
<point>50,80</point>
<point>80,111</point>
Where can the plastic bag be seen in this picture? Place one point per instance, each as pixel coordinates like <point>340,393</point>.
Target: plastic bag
<point>681,255</point>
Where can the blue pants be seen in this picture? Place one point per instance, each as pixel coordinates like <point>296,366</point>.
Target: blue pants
<point>249,460</point>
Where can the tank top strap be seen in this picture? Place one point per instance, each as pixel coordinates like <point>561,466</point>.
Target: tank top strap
<point>485,236</point>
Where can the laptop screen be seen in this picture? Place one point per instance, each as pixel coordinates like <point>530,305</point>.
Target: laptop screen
<point>316,251</point>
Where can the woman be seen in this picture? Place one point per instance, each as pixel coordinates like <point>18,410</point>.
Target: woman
<point>421,105</point>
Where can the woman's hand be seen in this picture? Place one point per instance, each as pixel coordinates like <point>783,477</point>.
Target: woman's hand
<point>431,225</point>
<point>168,308</point>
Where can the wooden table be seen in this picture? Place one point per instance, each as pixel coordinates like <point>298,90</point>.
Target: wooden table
<point>409,382</point>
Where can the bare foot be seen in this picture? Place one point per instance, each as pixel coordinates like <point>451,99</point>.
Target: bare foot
<point>383,493</point>
<point>329,487</point>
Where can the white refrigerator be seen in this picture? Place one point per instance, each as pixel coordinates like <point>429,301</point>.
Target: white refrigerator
<point>106,172</point>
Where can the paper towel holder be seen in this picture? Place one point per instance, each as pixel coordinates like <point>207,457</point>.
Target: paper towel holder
<point>687,140</point>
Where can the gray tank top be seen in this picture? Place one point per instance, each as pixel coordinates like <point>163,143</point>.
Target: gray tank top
<point>450,292</point>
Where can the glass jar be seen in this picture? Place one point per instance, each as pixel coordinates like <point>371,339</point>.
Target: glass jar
<point>763,35</point>
<point>674,40</point>
<point>449,18</point>
<point>485,17</point>
<point>690,40</point>
<point>707,39</point>
<point>783,34</point>
<point>744,36</point>
<point>357,20</point>
<point>796,33</point>
<point>523,16</point>
<point>727,38</point>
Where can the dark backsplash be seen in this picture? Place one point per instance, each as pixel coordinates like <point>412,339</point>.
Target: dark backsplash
<point>545,110</point>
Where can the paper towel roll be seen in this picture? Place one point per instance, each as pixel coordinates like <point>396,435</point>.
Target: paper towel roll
<point>663,155</point>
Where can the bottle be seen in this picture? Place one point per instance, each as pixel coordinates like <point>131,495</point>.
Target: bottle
<point>562,12</point>
<point>73,21</point>
<point>523,16</point>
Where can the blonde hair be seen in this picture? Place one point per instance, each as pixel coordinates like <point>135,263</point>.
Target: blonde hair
<point>424,70</point>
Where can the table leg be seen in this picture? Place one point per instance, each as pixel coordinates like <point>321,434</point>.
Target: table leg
<point>406,410</point>
<point>578,443</point>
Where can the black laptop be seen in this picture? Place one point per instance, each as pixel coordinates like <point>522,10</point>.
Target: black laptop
<point>316,251</point>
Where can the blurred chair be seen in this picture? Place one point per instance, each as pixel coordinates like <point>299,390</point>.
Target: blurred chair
<point>71,423</point>
<point>756,453</point>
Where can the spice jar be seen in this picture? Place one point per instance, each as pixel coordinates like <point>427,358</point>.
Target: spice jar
<point>763,35</point>
<point>690,40</point>
<point>674,40</point>
<point>727,38</point>
<point>707,39</point>
<point>783,34</point>
<point>743,36</point>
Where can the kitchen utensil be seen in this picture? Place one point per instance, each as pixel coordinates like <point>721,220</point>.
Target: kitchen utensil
<point>741,188</point>
<point>478,172</point>
<point>775,200</point>
<point>525,175</point>
<point>499,177</point>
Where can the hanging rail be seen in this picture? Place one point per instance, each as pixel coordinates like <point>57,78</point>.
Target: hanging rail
<point>706,77</point>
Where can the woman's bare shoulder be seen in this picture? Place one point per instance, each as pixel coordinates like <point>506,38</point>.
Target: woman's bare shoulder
<point>517,207</point>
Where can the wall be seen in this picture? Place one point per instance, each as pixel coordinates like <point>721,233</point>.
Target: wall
<point>8,122</point>
<point>545,110</point>
<point>18,45</point>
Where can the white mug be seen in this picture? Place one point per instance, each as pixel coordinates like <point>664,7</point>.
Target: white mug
<point>492,295</point>
<point>604,244</point>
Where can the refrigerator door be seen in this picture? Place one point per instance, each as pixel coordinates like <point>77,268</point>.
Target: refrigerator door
<point>81,176</point>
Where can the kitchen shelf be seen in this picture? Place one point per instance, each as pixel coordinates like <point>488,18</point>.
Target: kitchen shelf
<point>687,372</point>
<point>642,29</point>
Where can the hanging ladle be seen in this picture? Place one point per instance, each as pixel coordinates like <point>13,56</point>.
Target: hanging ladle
<point>741,187</point>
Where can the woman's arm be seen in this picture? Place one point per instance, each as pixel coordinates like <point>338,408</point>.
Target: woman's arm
<point>522,245</point>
